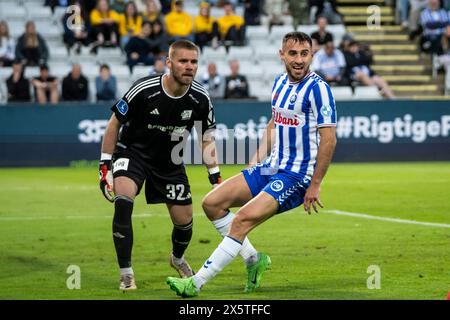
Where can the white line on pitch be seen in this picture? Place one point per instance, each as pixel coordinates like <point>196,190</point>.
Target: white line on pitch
<point>139,215</point>
<point>367,216</point>
<point>150,215</point>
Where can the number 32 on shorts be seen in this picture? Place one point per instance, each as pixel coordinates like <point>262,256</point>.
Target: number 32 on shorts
<point>176,191</point>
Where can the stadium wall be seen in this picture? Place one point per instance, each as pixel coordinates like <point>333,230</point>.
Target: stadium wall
<point>33,135</point>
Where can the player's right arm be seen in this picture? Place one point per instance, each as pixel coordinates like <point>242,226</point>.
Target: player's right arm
<point>105,164</point>
<point>123,111</point>
<point>111,134</point>
<point>266,144</point>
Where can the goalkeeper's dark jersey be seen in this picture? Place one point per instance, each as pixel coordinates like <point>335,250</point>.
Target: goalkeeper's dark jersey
<point>153,122</point>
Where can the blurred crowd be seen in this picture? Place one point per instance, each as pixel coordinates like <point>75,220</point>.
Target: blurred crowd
<point>143,30</point>
<point>429,20</point>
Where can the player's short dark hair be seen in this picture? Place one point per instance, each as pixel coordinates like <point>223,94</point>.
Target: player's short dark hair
<point>144,23</point>
<point>183,44</point>
<point>297,36</point>
<point>104,66</point>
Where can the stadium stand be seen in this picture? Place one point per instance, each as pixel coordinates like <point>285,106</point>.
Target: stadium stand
<point>367,93</point>
<point>447,82</point>
<point>397,58</point>
<point>396,54</point>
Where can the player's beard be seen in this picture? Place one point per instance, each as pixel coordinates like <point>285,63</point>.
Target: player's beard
<point>297,75</point>
<point>181,80</point>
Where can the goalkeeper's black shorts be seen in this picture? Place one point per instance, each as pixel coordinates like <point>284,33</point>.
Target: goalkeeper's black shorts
<point>160,186</point>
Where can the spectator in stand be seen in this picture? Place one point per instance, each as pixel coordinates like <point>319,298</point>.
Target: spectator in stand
<point>231,26</point>
<point>252,12</point>
<point>56,3</point>
<point>75,86</point>
<point>139,49</point>
<point>159,67</point>
<point>274,9</point>
<point>236,85</point>
<point>329,63</point>
<point>7,46</point>
<point>213,82</point>
<point>219,3</point>
<point>130,23</point>
<point>119,6</point>
<point>446,40</point>
<point>206,27</point>
<point>358,69</point>
<point>444,59</point>
<point>31,47</point>
<point>179,24</point>
<point>166,6</point>
<point>159,41</point>
<point>415,8</point>
<point>402,12</point>
<point>18,86</point>
<point>45,87</point>
<point>105,84</point>
<point>322,36</point>
<point>88,5</point>
<point>345,42</point>
<point>315,46</point>
<point>76,28</point>
<point>105,25</point>
<point>152,11</point>
<point>299,11</point>
<point>326,8</point>
<point>434,20</point>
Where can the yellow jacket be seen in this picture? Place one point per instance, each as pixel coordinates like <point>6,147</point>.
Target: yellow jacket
<point>133,24</point>
<point>203,24</point>
<point>97,17</point>
<point>179,24</point>
<point>151,17</point>
<point>226,22</point>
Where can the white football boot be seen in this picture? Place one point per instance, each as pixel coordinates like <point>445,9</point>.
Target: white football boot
<point>182,266</point>
<point>127,282</point>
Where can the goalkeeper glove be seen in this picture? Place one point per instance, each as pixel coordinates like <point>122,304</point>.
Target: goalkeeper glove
<point>214,176</point>
<point>106,177</point>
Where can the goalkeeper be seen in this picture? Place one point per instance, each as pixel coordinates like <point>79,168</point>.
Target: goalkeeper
<point>145,129</point>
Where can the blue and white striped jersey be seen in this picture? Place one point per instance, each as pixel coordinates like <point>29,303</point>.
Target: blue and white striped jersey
<point>298,110</point>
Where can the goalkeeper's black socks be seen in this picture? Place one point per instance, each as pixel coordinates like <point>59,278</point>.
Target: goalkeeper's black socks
<point>123,230</point>
<point>181,236</point>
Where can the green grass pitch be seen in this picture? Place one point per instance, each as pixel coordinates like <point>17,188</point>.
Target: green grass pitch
<point>55,217</point>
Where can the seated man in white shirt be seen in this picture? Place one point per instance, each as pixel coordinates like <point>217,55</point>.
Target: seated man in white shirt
<point>329,63</point>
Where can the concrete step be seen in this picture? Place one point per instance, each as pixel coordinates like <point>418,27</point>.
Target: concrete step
<point>382,37</point>
<point>396,57</point>
<point>430,97</point>
<point>399,68</point>
<point>406,78</point>
<point>400,62</point>
<point>364,29</point>
<point>363,10</point>
<point>382,48</point>
<point>363,19</point>
<point>360,2</point>
<point>415,88</point>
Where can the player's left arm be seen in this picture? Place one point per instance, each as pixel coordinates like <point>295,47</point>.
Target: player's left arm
<point>209,155</point>
<point>324,110</point>
<point>324,155</point>
<point>208,144</point>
